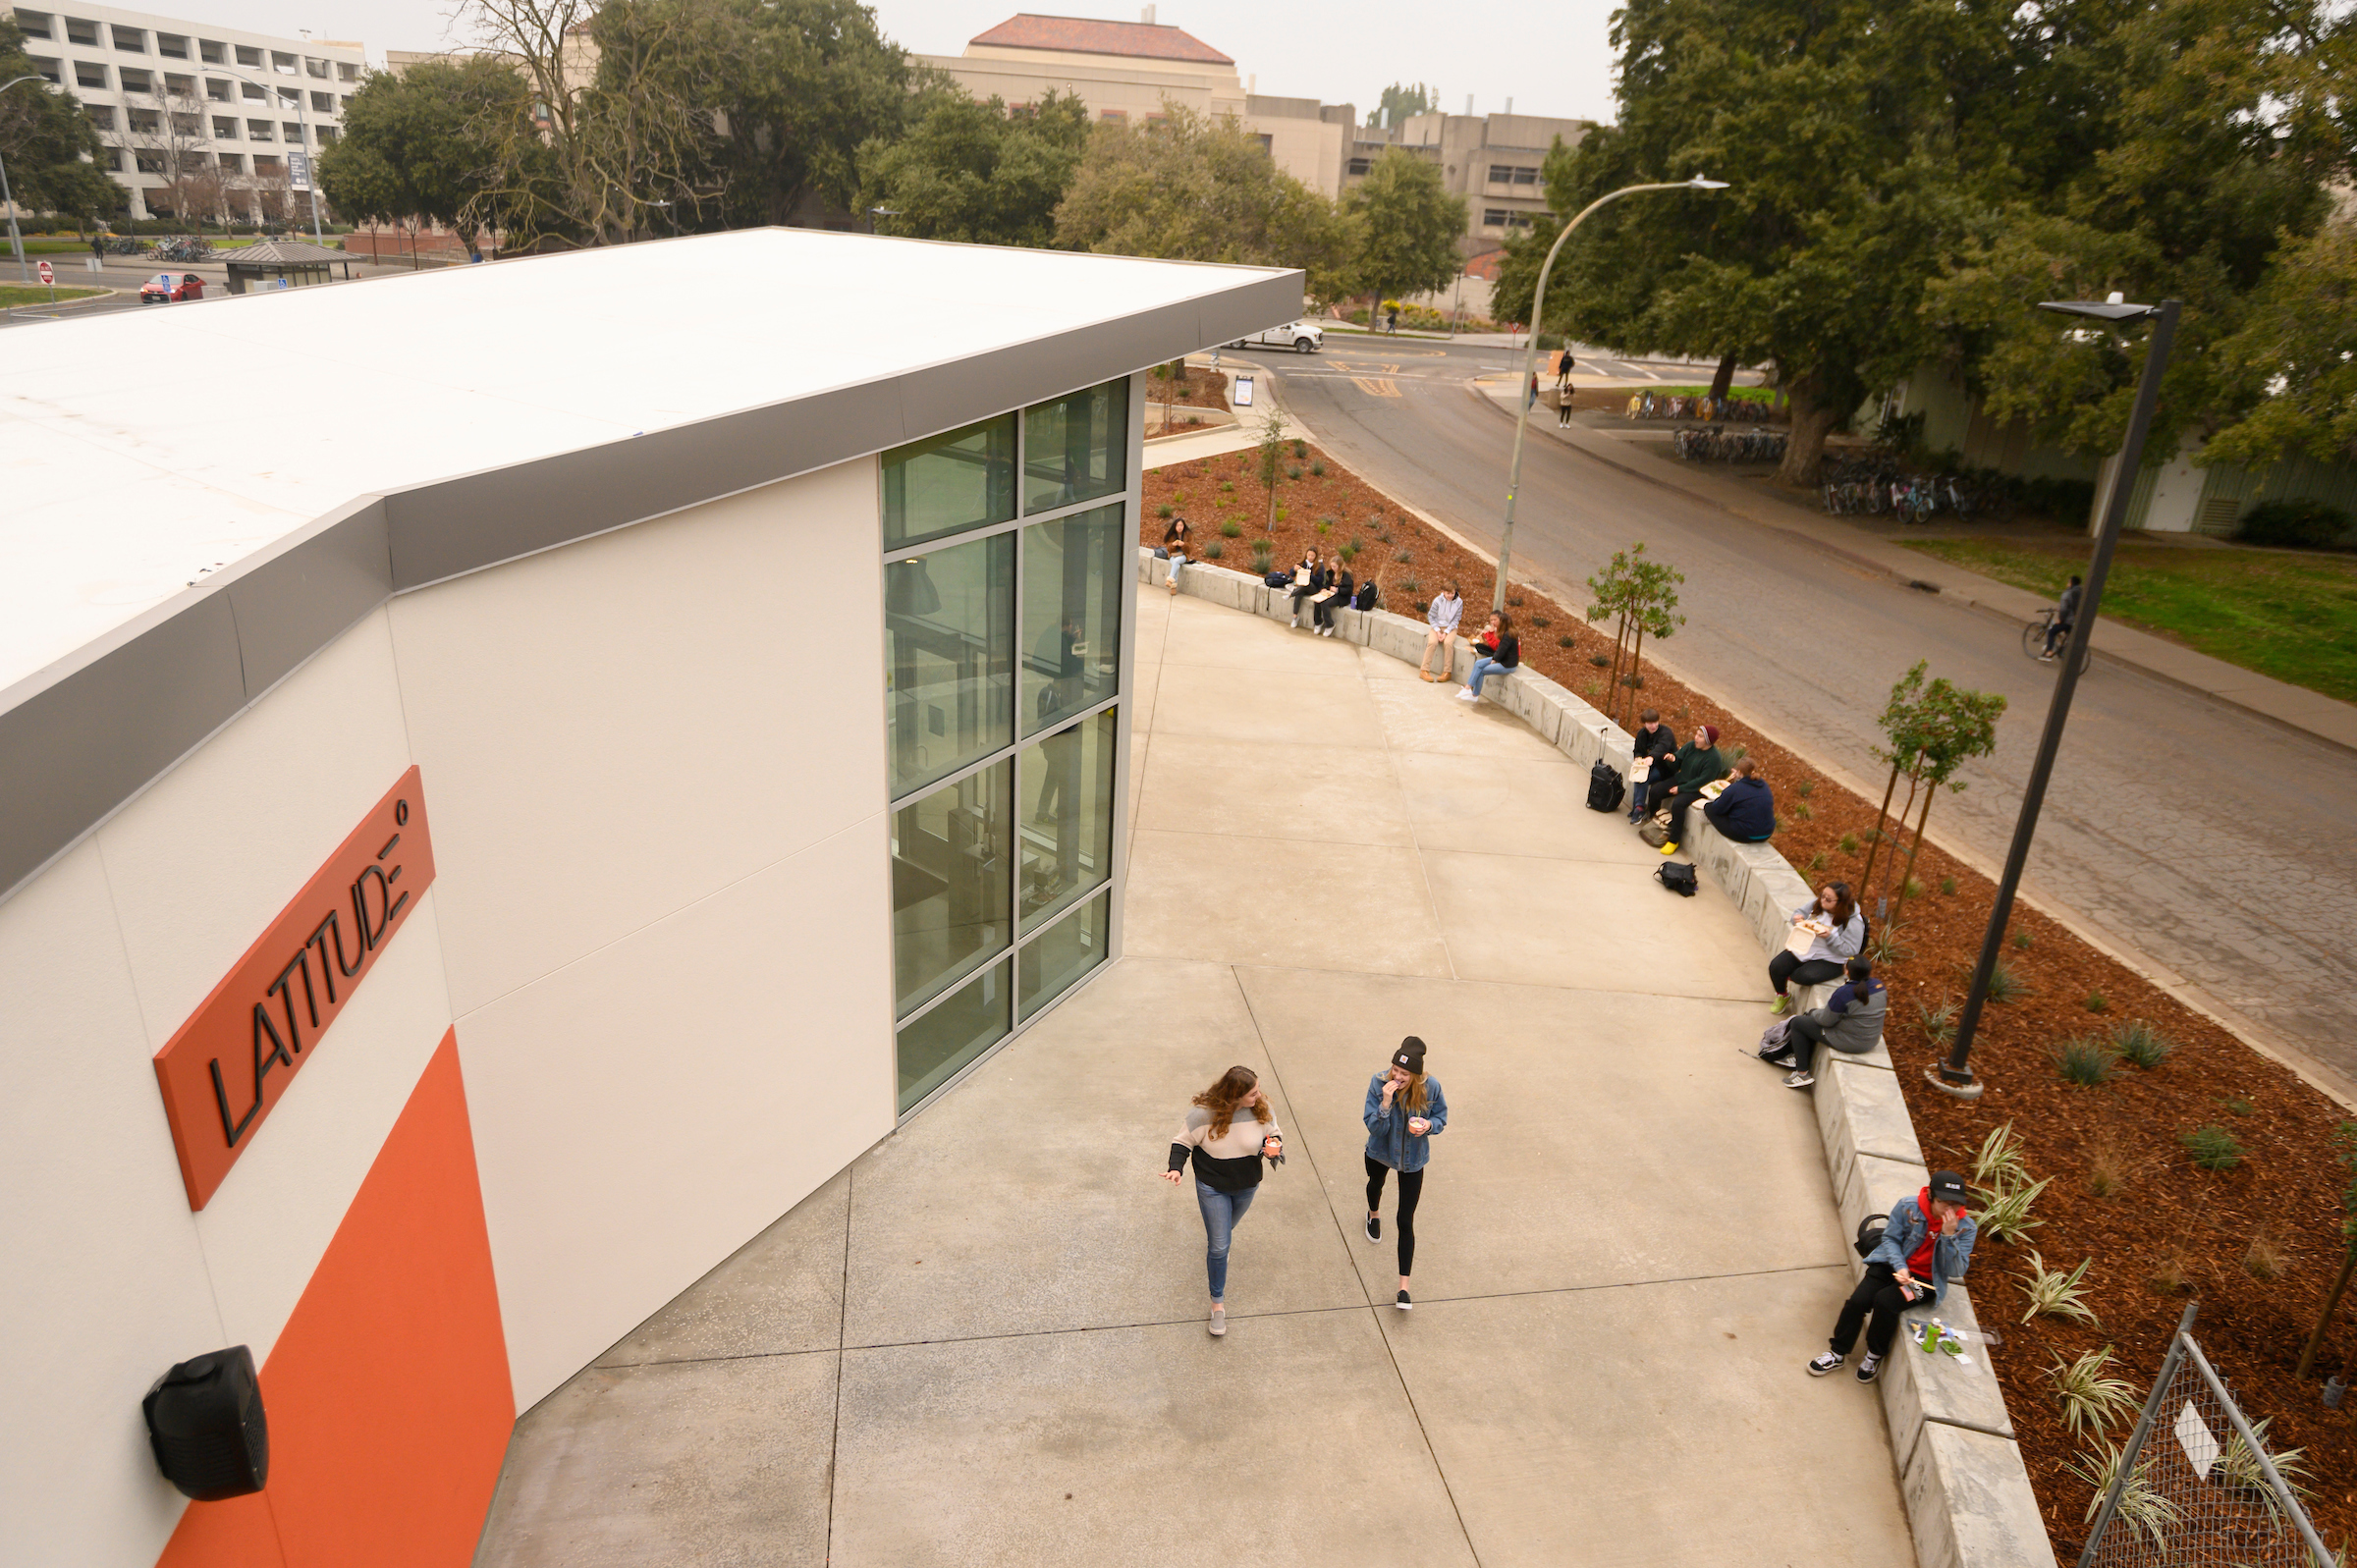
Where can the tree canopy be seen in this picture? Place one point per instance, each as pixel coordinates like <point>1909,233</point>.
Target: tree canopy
<point>1397,103</point>
<point>47,142</point>
<point>421,145</point>
<point>971,171</point>
<point>1910,178</point>
<point>1201,190</point>
<point>1407,226</point>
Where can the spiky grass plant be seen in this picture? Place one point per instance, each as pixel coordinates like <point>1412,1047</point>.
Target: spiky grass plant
<point>1939,1024</point>
<point>2238,1470</point>
<point>1998,1164</point>
<point>2143,1508</point>
<point>2213,1148</point>
<point>2088,1394</point>
<point>2005,1214</point>
<point>2086,1061</point>
<point>2140,1045</point>
<point>2056,1294</point>
<point>2004,985</point>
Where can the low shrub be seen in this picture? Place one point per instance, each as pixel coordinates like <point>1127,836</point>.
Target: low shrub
<point>2006,986</point>
<point>2056,1294</point>
<point>2140,1045</point>
<point>1165,510</point>
<point>1848,844</point>
<point>2005,1213</point>
<point>1816,861</point>
<point>1566,642</point>
<point>1214,550</point>
<point>2089,1395</point>
<point>1317,470</point>
<point>2085,1061</point>
<point>1231,528</point>
<point>2263,1259</point>
<point>1948,885</point>
<point>2299,524</point>
<point>2096,1002</point>
<point>1805,788</point>
<point>1939,1023</point>
<point>2213,1148</point>
<point>2107,1168</point>
<point>2021,942</point>
<point>1998,1164</point>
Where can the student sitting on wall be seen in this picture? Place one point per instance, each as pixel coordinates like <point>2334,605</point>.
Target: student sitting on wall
<point>1336,596</point>
<point>1850,1023</point>
<point>1698,763</point>
<point>1745,811</point>
<point>1309,577</point>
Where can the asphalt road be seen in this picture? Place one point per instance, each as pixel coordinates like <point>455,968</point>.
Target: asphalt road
<point>2214,846</point>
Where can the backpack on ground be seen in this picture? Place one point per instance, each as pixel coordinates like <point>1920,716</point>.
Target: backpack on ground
<point>1655,832</point>
<point>1677,875</point>
<point>1606,786</point>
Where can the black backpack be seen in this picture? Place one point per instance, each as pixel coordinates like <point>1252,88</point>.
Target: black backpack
<point>1366,596</point>
<point>1606,786</point>
<point>1677,875</point>
<point>1870,1233</point>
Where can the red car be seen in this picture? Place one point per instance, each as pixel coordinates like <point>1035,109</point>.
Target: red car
<point>171,286</point>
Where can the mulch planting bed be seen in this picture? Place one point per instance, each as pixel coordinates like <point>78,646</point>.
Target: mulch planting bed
<point>2259,1243</point>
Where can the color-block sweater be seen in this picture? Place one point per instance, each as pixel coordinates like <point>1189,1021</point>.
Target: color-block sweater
<point>1229,1163</point>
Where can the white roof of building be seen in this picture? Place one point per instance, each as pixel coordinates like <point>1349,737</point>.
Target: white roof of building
<point>143,450</point>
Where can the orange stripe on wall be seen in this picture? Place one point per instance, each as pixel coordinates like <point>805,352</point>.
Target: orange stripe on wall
<point>388,1393</point>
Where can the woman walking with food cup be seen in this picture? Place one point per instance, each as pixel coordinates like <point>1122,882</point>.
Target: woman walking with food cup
<point>1404,1109</point>
<point>1226,1151</point>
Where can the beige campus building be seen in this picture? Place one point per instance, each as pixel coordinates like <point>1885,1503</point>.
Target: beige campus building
<point>1126,70</point>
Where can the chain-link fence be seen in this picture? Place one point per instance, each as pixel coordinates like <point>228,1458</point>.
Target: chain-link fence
<point>2196,1486</point>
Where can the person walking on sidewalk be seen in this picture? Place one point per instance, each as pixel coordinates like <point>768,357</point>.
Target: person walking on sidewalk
<point>1226,1152</point>
<point>1657,748</point>
<point>1927,1244</point>
<point>1403,1112</point>
<point>1499,651</point>
<point>2066,615</point>
<point>1447,612</point>
<point>1562,392</point>
<point>1836,931</point>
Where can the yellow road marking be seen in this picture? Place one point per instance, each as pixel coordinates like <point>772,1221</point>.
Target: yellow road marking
<point>1377,389</point>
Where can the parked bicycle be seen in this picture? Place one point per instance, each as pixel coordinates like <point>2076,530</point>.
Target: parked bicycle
<point>182,248</point>
<point>1729,445</point>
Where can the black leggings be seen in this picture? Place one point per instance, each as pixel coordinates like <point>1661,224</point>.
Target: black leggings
<point>1787,967</point>
<point>1411,1188</point>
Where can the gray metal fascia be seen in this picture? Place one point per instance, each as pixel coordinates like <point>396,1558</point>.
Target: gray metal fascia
<point>80,738</point>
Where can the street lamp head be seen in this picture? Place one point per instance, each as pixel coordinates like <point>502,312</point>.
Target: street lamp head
<point>1698,183</point>
<point>884,212</point>
<point>2113,309</point>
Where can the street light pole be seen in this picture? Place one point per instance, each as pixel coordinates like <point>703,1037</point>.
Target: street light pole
<point>1954,1075</point>
<point>16,240</point>
<point>311,156</point>
<point>1530,361</point>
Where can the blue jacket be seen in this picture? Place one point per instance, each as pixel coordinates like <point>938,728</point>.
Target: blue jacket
<point>1744,811</point>
<point>1388,1142</point>
<point>1950,1259</point>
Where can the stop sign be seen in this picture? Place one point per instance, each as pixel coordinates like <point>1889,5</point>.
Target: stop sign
<point>46,275</point>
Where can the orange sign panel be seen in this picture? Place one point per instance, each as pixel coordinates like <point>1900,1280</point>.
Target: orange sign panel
<point>233,1061</point>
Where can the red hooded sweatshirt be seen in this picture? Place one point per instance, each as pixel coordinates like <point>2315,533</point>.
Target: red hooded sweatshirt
<point>1920,1263</point>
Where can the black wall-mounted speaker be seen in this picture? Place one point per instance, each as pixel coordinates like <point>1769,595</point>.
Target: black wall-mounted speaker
<point>205,1419</point>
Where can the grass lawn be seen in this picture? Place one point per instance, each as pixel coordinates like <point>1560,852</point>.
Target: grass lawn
<point>16,293</point>
<point>2289,615</point>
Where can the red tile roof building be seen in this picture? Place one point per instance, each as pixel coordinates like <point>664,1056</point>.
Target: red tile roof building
<point>1133,40</point>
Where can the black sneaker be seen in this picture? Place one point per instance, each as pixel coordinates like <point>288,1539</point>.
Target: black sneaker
<point>1830,1361</point>
<point>1404,1304</point>
<point>1373,1228</point>
<point>1871,1368</point>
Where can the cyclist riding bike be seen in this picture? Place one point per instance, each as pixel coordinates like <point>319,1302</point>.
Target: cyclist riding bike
<point>2066,611</point>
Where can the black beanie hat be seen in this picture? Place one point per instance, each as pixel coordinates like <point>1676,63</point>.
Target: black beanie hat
<point>1410,1056</point>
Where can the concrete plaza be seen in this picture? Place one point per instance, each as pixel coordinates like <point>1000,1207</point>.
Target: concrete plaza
<point>984,1342</point>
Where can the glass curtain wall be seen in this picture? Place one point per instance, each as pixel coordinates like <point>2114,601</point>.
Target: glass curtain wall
<point>1002,719</point>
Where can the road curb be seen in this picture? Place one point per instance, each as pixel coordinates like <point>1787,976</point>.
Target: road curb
<point>1969,594</point>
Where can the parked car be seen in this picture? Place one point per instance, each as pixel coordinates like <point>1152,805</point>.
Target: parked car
<point>1298,336</point>
<point>168,286</point>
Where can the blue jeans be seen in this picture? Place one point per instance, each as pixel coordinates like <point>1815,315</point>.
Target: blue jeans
<point>1482,669</point>
<point>1220,1212</point>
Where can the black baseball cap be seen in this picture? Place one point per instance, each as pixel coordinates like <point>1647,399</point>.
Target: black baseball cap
<point>1410,1054</point>
<point>1947,1187</point>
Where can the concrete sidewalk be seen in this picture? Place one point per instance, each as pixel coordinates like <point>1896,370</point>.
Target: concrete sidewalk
<point>984,1343</point>
<point>2294,707</point>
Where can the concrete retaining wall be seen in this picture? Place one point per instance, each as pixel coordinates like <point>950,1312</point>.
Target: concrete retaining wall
<point>1967,1492</point>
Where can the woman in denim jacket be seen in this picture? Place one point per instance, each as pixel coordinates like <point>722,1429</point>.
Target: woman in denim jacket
<point>1927,1243</point>
<point>1404,1111</point>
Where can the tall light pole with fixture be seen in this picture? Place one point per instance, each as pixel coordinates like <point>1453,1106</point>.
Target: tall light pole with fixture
<point>16,240</point>
<point>1954,1075</point>
<point>310,159</point>
<point>1530,360</point>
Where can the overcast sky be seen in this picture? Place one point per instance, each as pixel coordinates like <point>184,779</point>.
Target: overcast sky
<point>1551,57</point>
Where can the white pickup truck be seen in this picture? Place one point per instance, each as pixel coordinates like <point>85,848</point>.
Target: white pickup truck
<point>1298,336</point>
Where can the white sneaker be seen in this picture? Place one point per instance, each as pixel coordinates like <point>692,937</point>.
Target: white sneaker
<point>1219,1323</point>
<point>1468,695</point>
<point>1830,1361</point>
